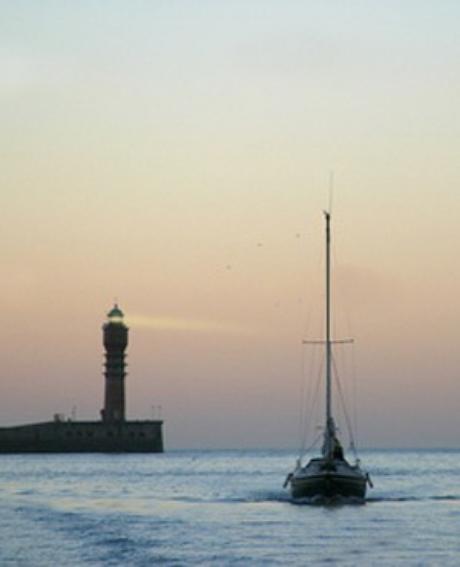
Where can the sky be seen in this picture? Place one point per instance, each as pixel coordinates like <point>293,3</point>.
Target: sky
<point>177,156</point>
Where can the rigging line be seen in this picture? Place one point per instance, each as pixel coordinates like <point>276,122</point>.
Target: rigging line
<point>335,289</point>
<point>342,399</point>
<point>302,389</point>
<point>341,361</point>
<point>348,321</point>
<point>315,442</point>
<point>303,378</point>
<point>338,362</point>
<point>310,401</point>
<point>314,403</point>
<point>306,392</point>
<point>305,399</point>
<point>314,399</point>
<point>320,259</point>
<point>355,392</point>
<point>349,328</point>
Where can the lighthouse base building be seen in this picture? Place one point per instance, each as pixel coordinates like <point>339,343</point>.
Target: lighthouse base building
<point>112,434</point>
<point>83,437</point>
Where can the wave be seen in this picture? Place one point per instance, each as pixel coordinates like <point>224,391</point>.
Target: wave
<point>338,500</point>
<point>254,498</point>
<point>439,498</point>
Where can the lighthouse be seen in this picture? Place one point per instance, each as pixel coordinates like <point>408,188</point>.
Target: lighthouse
<point>113,434</point>
<point>115,334</point>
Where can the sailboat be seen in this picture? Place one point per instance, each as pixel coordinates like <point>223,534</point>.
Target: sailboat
<point>330,475</point>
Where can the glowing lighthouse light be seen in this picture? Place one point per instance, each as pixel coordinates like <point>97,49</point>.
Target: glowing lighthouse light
<point>115,315</point>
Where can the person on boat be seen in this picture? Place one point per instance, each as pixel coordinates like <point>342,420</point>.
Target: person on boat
<point>337,450</point>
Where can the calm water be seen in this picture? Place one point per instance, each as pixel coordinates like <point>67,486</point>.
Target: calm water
<point>223,508</point>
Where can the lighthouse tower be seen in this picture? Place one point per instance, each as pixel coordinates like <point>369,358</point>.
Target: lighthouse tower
<point>115,342</point>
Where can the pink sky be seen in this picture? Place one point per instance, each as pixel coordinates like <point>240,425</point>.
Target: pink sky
<point>178,159</point>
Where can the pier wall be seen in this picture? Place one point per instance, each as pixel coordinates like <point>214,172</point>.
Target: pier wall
<point>83,437</point>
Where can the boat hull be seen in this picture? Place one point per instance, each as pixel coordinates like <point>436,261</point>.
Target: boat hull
<point>318,480</point>
<point>328,486</point>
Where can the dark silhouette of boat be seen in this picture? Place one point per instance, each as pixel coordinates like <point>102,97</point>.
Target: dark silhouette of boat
<point>330,475</point>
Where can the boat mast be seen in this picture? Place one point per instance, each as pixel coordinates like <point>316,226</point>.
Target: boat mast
<point>330,425</point>
<point>328,317</point>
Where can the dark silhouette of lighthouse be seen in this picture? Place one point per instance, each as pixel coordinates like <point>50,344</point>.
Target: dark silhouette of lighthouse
<point>115,343</point>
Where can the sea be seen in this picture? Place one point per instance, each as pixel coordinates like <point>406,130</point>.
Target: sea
<point>223,508</point>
